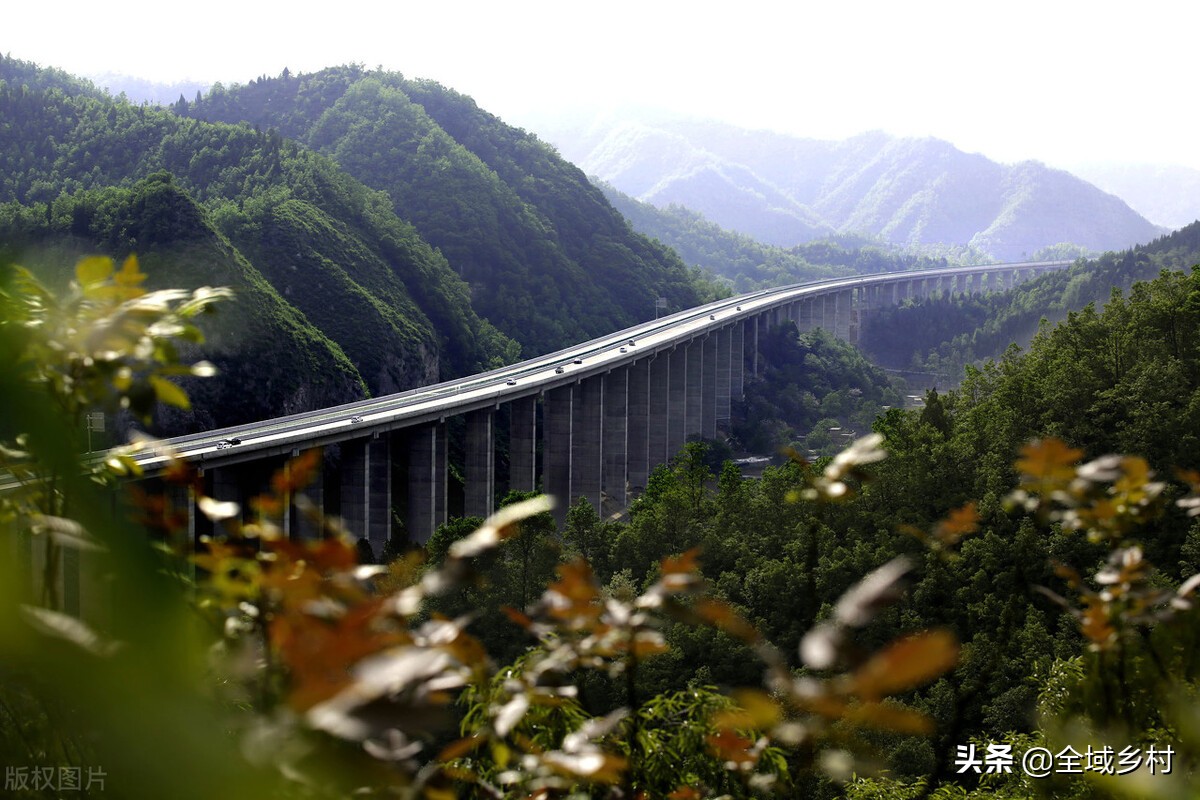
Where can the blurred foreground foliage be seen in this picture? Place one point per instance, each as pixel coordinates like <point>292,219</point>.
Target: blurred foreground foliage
<point>296,669</point>
<point>253,665</point>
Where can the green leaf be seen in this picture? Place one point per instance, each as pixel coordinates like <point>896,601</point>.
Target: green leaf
<point>130,275</point>
<point>93,270</point>
<point>169,393</point>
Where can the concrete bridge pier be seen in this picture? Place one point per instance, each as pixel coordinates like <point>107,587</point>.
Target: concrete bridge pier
<point>615,438</point>
<point>869,299</point>
<point>379,499</point>
<point>661,400</point>
<point>677,412</point>
<point>426,480</point>
<point>694,413</point>
<point>637,424</point>
<point>841,320</point>
<point>737,360</point>
<point>587,442</point>
<point>754,347</point>
<point>558,410</point>
<point>479,495</point>
<point>821,313</point>
<point>725,358</point>
<point>522,444</point>
<point>807,314</point>
<point>366,479</point>
<point>708,387</point>
<point>856,314</point>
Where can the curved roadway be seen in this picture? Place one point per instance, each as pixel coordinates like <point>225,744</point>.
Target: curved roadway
<point>355,420</point>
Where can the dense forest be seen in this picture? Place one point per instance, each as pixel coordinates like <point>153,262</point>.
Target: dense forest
<point>942,334</point>
<point>337,296</point>
<point>1123,380</point>
<point>340,294</point>
<point>809,384</point>
<point>745,264</point>
<point>547,259</point>
<point>975,574</point>
<point>874,613</point>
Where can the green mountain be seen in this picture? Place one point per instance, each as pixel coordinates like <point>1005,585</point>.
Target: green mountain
<point>943,334</point>
<point>785,190</point>
<point>547,259</point>
<point>746,264</point>
<point>337,295</point>
<point>270,358</point>
<point>381,233</point>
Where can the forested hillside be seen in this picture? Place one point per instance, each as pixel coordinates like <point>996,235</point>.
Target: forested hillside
<point>808,384</point>
<point>340,296</point>
<point>781,564</point>
<point>547,259</point>
<point>942,334</point>
<point>784,190</point>
<point>978,576</point>
<point>259,341</point>
<point>466,223</point>
<point>746,264</point>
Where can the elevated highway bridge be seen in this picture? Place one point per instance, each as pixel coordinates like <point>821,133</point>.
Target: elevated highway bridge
<point>611,410</point>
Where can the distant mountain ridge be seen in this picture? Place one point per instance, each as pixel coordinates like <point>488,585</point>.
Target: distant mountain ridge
<point>140,90</point>
<point>785,190</point>
<point>944,332</point>
<point>747,264</point>
<point>1165,194</point>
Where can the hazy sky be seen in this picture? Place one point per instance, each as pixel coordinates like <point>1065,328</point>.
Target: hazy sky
<point>1062,82</point>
